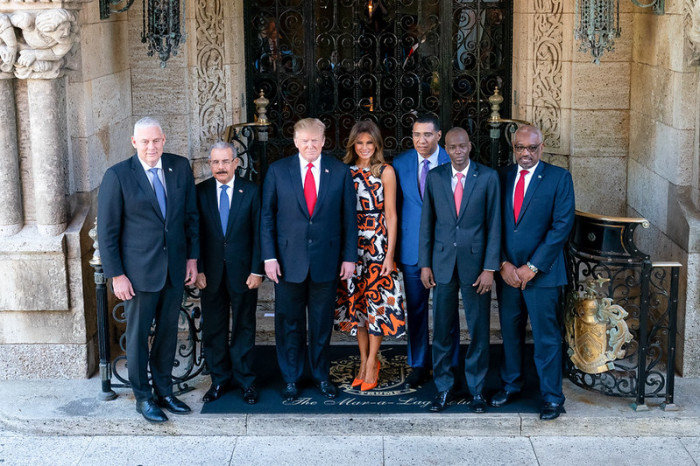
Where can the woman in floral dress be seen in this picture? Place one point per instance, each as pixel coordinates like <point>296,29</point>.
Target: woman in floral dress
<point>370,304</point>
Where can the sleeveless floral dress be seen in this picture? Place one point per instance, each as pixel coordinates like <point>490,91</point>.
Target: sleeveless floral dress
<point>368,299</point>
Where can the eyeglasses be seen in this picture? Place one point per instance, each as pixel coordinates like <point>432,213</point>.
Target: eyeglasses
<point>530,149</point>
<point>224,163</point>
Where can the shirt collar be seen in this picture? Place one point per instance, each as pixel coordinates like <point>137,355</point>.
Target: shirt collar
<point>303,163</point>
<point>147,167</point>
<point>229,184</point>
<point>463,172</point>
<point>530,170</point>
<point>433,158</point>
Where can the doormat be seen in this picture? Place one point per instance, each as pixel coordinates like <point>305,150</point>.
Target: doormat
<point>389,397</point>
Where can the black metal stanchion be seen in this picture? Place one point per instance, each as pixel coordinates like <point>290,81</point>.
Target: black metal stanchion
<point>106,394</point>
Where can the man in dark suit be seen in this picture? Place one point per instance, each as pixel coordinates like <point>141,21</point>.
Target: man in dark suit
<point>460,235</point>
<point>230,273</point>
<point>148,228</point>
<point>538,214</point>
<point>309,240</point>
<point>412,169</point>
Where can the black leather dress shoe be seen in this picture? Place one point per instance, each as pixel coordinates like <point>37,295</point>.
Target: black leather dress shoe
<point>290,392</point>
<point>551,411</point>
<point>250,395</point>
<point>150,411</point>
<point>416,378</point>
<point>477,404</point>
<point>441,401</point>
<point>173,405</point>
<point>215,392</point>
<point>503,397</point>
<point>327,389</point>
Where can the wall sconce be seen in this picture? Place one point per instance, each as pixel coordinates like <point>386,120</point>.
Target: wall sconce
<point>598,24</point>
<point>161,24</point>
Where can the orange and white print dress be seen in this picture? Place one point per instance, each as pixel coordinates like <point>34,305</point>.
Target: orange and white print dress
<point>368,299</point>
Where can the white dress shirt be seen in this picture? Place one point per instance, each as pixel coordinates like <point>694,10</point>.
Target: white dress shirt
<point>229,192</point>
<point>315,170</point>
<point>528,178</point>
<point>454,176</point>
<point>161,175</point>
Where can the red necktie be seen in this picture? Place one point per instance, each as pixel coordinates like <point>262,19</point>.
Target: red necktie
<point>519,194</point>
<point>459,190</point>
<point>310,189</point>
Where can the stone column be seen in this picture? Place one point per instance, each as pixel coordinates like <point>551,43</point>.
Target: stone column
<point>47,135</point>
<point>10,185</point>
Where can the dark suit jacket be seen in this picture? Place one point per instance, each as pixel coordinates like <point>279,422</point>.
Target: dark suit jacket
<point>304,244</point>
<point>239,250</point>
<point>409,203</point>
<point>134,238</point>
<point>545,221</point>
<point>470,240</point>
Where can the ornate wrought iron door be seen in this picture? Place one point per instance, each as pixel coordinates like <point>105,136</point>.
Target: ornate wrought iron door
<point>385,60</point>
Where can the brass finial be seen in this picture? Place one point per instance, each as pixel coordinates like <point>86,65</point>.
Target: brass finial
<point>261,104</point>
<point>495,100</point>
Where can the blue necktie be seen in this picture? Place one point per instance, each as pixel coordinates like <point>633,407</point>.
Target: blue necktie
<point>224,208</point>
<point>160,190</point>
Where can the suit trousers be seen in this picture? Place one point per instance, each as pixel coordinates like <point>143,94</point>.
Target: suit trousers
<point>291,303</point>
<point>541,304</point>
<point>417,300</point>
<point>164,307</point>
<point>445,318</point>
<point>230,359</point>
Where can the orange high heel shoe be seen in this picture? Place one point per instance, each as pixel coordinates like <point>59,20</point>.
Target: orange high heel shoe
<point>369,386</point>
<point>357,382</point>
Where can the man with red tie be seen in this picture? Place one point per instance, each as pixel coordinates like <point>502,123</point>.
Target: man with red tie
<point>308,242</point>
<point>459,242</point>
<point>538,214</point>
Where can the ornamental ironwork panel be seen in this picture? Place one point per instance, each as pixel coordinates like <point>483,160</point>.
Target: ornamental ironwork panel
<point>646,294</point>
<point>384,60</point>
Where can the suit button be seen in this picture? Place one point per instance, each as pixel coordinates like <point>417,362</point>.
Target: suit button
<point>458,227</point>
<point>454,244</point>
<point>311,222</point>
<point>166,230</point>
<point>165,248</point>
<point>310,241</point>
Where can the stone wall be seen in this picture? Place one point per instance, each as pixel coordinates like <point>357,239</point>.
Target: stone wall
<point>582,108</point>
<point>664,156</point>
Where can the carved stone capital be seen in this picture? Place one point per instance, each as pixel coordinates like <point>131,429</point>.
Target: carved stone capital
<point>36,44</point>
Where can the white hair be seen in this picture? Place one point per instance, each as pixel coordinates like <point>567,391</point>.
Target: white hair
<point>147,122</point>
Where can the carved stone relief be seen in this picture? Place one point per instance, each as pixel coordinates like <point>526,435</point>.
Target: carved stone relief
<point>547,75</point>
<point>34,44</point>
<point>211,79</point>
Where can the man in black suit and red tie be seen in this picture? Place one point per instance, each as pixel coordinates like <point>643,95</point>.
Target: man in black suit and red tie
<point>148,228</point>
<point>230,272</point>
<point>459,247</point>
<point>538,214</point>
<point>309,241</point>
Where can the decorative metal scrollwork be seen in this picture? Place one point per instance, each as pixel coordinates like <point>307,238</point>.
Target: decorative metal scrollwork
<point>384,60</point>
<point>603,247</point>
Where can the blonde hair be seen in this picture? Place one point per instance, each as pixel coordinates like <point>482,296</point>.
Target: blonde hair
<point>377,159</point>
<point>309,124</point>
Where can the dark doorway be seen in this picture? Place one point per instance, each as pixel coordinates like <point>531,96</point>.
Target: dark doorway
<point>385,60</point>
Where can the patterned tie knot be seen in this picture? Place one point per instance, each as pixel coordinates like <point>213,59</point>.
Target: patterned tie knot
<point>459,177</point>
<point>426,164</point>
<point>224,187</point>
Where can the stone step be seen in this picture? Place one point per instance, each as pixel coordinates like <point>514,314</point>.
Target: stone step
<point>265,321</point>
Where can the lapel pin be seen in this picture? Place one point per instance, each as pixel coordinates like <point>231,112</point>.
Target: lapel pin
<point>240,190</point>
<point>170,169</point>
<point>326,170</point>
<point>539,176</point>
